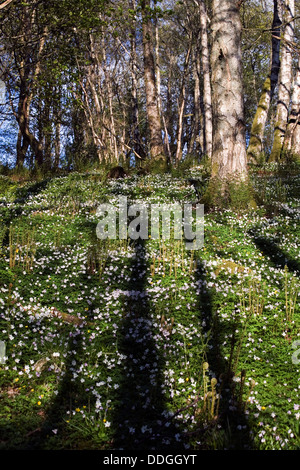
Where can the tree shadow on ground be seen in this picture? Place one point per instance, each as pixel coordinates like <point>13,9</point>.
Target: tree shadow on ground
<point>140,419</point>
<point>24,193</point>
<point>277,257</point>
<point>229,430</point>
<point>69,395</point>
<point>16,210</point>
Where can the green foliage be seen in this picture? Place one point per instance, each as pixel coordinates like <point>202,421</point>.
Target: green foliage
<point>210,343</point>
<point>7,187</point>
<point>240,195</point>
<point>157,166</point>
<point>232,193</point>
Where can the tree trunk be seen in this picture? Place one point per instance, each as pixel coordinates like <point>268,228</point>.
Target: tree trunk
<point>195,134</point>
<point>109,93</point>
<point>153,116</point>
<point>47,133</point>
<point>285,80</point>
<point>22,147</point>
<point>207,104</point>
<point>181,105</point>
<point>91,119</point>
<point>57,146</point>
<point>256,144</point>
<point>169,115</point>
<point>292,139</point>
<point>157,68</point>
<point>29,67</point>
<point>22,117</point>
<point>229,148</point>
<point>57,112</point>
<point>135,131</point>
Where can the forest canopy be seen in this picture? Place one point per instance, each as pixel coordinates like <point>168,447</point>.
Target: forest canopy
<point>124,81</point>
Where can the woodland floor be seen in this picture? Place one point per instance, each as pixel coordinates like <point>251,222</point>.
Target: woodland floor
<point>116,344</point>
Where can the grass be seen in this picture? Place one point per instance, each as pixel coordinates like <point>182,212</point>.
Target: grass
<point>145,345</point>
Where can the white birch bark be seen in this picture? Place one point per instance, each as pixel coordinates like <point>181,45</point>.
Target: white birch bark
<point>195,135</point>
<point>205,59</point>
<point>181,105</point>
<point>256,144</point>
<point>293,128</point>
<point>285,79</point>
<point>153,116</point>
<point>135,133</point>
<point>157,68</point>
<point>108,84</point>
<point>229,147</point>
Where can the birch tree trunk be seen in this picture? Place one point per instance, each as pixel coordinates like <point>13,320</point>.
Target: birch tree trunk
<point>195,134</point>
<point>181,105</point>
<point>28,75</point>
<point>285,80</point>
<point>135,131</point>
<point>256,144</point>
<point>292,139</point>
<point>57,145</point>
<point>153,116</point>
<point>90,95</point>
<point>229,159</point>
<point>109,93</point>
<point>157,68</point>
<point>57,112</point>
<point>205,60</point>
<point>168,116</point>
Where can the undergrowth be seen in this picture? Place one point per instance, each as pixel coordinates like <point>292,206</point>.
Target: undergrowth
<point>143,344</point>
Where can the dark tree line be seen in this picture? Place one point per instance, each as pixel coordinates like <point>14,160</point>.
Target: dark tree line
<point>127,81</point>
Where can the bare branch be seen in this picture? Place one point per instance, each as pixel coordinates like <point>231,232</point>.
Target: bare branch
<point>4,4</point>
